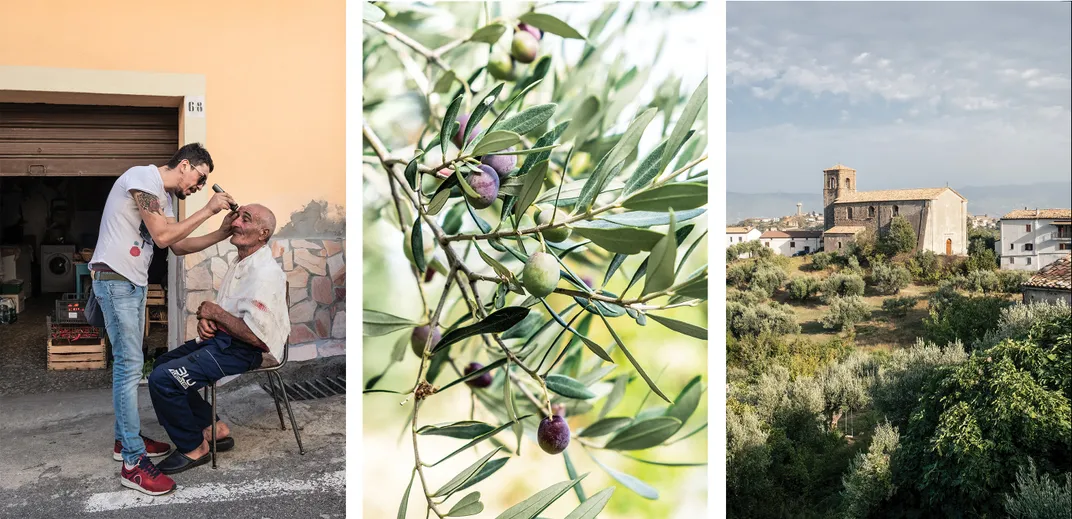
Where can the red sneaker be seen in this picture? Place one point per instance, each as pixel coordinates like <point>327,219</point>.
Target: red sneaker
<point>146,478</point>
<point>153,448</point>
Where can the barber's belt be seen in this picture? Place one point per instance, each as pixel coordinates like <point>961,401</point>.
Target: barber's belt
<point>107,276</point>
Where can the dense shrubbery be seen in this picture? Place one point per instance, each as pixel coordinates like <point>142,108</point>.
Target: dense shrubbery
<point>823,260</point>
<point>899,306</point>
<point>899,238</point>
<point>869,480</point>
<point>802,288</point>
<point>768,278</point>
<point>890,279</point>
<point>955,317</point>
<point>1039,496</point>
<point>742,320</point>
<point>846,312</point>
<point>842,285</point>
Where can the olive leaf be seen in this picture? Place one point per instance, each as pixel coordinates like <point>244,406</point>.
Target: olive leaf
<point>661,261</point>
<point>686,402</point>
<point>675,195</point>
<point>650,218</point>
<point>624,240</point>
<point>416,245</point>
<point>488,469</point>
<point>465,430</point>
<point>529,119</point>
<point>454,484</point>
<point>551,24</point>
<point>591,507</point>
<point>682,327</point>
<point>497,140</point>
<point>405,497</point>
<point>499,321</point>
<point>639,487</point>
<point>644,434</point>
<point>538,502</point>
<point>377,323</point>
<point>605,426</point>
<point>473,375</point>
<point>468,505</point>
<point>371,13</point>
<point>613,162</point>
<point>684,123</point>
<point>531,188</point>
<point>450,119</point>
<point>568,387</point>
<point>489,33</point>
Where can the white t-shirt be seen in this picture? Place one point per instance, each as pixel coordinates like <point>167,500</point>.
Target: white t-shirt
<point>253,290</point>
<point>124,243</point>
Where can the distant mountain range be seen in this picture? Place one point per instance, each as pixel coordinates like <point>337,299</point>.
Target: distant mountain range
<point>989,200</point>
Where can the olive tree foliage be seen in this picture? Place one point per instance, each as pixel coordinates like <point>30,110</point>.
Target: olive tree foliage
<point>869,480</point>
<point>889,279</point>
<point>1037,496</point>
<point>846,312</point>
<point>514,170</point>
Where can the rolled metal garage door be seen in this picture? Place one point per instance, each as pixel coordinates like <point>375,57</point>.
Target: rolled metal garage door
<point>84,140</point>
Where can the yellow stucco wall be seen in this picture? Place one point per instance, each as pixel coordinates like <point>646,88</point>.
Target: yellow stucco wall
<point>274,80</point>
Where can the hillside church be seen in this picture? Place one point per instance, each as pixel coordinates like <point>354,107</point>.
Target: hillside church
<point>938,215</point>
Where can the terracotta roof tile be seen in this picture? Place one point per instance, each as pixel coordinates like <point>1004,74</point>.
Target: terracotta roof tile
<point>804,234</point>
<point>1031,214</point>
<point>774,234</point>
<point>738,230</point>
<point>845,229</point>
<point>893,195</point>
<point>1055,275</point>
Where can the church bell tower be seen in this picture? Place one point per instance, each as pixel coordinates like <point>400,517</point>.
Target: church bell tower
<point>838,180</point>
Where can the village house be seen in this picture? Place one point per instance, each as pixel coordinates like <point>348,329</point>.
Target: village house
<point>791,242</point>
<point>735,235</point>
<point>938,215</point>
<point>1051,284</point>
<point>1034,238</point>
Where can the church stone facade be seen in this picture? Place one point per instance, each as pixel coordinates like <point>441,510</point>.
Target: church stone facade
<point>938,215</point>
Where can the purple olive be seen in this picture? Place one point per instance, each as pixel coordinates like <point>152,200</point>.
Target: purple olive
<point>479,382</point>
<point>502,164</point>
<point>553,434</point>
<point>463,119</point>
<point>420,336</point>
<point>538,33</point>
<point>524,47</point>
<point>486,184</point>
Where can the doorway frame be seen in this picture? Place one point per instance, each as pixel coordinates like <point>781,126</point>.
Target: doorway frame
<point>121,88</point>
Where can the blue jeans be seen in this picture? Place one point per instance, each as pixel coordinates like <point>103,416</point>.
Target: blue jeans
<point>180,373</point>
<point>123,306</point>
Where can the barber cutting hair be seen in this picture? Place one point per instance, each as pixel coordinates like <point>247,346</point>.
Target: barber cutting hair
<point>139,214</point>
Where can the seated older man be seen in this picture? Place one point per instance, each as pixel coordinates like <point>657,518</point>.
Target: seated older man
<point>246,327</point>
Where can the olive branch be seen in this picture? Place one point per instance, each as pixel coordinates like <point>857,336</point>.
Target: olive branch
<point>527,172</point>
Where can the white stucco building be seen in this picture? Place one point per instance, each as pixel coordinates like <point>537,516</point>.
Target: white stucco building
<point>1034,238</point>
<point>789,243</point>
<point>735,235</point>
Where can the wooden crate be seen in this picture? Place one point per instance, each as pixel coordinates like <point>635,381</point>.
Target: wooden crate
<point>81,354</point>
<point>155,295</point>
<point>64,353</point>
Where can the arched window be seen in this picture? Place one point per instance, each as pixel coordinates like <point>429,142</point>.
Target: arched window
<point>896,210</point>
<point>832,184</point>
<point>848,183</point>
<point>850,213</point>
<point>871,212</point>
<point>839,244</point>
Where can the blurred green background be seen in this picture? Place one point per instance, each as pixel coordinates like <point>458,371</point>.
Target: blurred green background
<point>397,113</point>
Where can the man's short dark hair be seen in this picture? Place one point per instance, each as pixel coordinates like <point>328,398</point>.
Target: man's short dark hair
<point>193,152</point>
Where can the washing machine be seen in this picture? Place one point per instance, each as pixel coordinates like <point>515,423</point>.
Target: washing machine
<point>57,268</point>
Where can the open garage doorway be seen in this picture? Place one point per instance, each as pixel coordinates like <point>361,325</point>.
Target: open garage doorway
<point>57,164</point>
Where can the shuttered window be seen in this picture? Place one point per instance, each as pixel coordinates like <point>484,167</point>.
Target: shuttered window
<point>84,140</point>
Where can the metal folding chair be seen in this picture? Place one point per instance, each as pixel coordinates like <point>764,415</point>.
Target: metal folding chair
<point>271,372</point>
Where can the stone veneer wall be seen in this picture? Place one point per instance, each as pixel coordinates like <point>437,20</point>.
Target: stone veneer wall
<point>316,271</point>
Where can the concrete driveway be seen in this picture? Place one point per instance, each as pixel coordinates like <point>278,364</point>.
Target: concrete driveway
<point>56,458</point>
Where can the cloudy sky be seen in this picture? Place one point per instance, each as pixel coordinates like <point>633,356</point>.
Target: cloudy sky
<point>910,94</point>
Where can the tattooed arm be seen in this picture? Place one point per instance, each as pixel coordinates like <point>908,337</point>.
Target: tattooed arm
<point>168,233</point>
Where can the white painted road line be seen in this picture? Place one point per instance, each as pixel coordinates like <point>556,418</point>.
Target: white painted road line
<point>334,482</point>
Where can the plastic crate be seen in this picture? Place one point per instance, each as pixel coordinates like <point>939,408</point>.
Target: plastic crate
<point>11,287</point>
<point>70,308</point>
